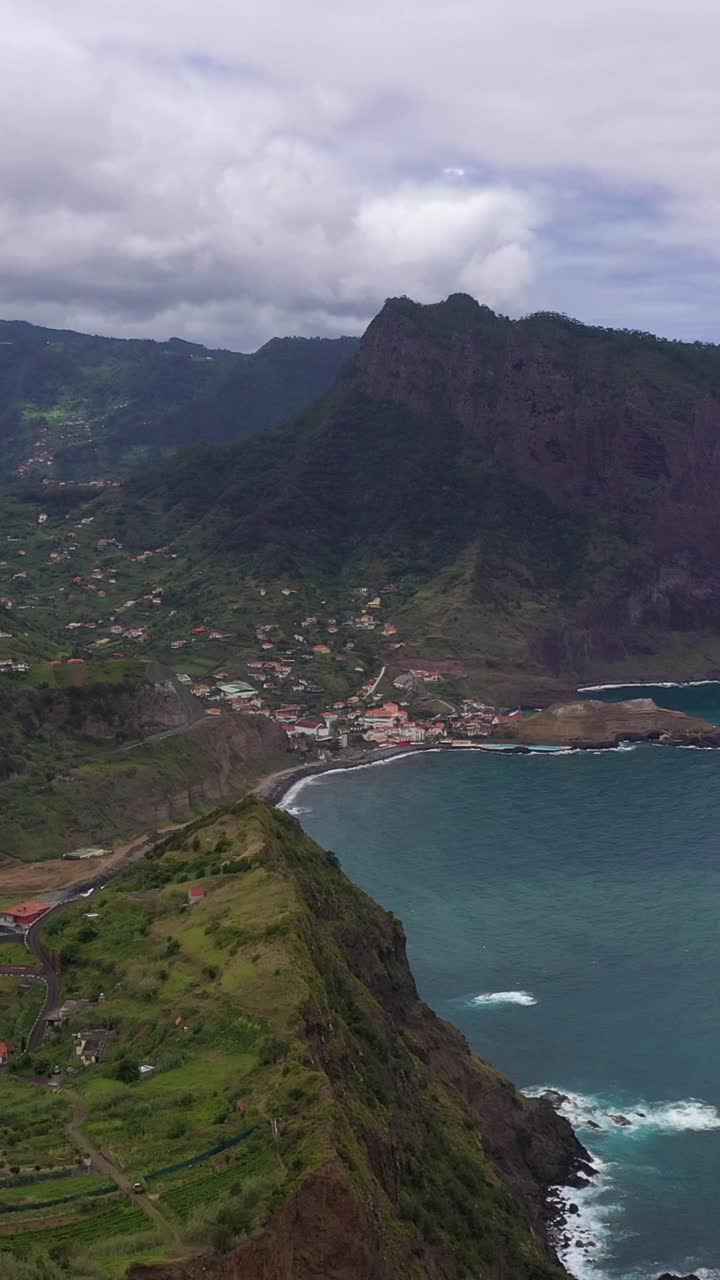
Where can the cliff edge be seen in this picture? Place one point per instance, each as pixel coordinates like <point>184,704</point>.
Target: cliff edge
<point>300,1113</point>
<point>427,1161</point>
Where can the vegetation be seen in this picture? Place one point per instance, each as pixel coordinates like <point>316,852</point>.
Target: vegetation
<point>274,1061</point>
<point>535,476</point>
<point>107,405</point>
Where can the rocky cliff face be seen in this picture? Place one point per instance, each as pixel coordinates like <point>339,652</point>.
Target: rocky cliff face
<point>125,759</point>
<point>605,423</point>
<point>211,764</point>
<point>542,492</point>
<point>133,709</point>
<point>154,705</point>
<point>434,1166</point>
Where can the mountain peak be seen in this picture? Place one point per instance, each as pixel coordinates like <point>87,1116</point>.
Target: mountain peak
<point>456,312</point>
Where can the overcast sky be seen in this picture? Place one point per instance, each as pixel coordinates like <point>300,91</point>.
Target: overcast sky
<point>227,170</point>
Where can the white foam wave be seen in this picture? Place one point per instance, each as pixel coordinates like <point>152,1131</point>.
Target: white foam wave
<point>584,1238</point>
<point>503,997</point>
<point>552,753</point>
<point>604,1115</point>
<point>588,1227</point>
<point>646,684</point>
<point>313,778</point>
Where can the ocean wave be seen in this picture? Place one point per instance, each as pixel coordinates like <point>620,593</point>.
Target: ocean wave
<point>646,684</point>
<point>313,778</point>
<point>603,1115</point>
<point>502,997</point>
<point>551,753</point>
<point>586,1229</point>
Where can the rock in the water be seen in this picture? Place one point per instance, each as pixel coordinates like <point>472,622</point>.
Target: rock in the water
<point>555,1097</point>
<point>670,1275</point>
<point>593,1124</point>
<point>578,1181</point>
<point>573,1208</point>
<point>621,1120</point>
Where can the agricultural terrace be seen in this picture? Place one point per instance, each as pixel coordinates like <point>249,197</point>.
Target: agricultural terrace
<point>206,1095</point>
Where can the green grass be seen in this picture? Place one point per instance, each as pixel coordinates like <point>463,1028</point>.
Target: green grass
<point>32,1126</point>
<point>52,1189</point>
<point>16,953</point>
<point>20,1002</point>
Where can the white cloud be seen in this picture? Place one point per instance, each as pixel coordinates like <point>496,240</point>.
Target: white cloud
<point>228,171</point>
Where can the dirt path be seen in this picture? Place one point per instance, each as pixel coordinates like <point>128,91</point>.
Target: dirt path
<point>102,1165</point>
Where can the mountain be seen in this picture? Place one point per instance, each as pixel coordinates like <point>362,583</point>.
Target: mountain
<point>301,1113</point>
<point>542,492</point>
<point>78,407</point>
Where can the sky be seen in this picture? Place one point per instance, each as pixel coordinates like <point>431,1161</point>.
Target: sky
<point>231,170</point>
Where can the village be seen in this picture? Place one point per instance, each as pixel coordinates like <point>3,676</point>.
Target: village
<point>334,674</point>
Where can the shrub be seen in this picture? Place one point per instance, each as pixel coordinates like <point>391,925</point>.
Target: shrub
<point>126,1070</point>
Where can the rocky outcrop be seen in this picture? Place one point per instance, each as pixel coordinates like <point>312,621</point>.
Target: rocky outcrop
<point>151,706</point>
<point>210,763</point>
<point>605,724</point>
<point>146,784</point>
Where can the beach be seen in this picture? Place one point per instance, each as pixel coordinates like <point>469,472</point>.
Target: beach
<point>275,786</point>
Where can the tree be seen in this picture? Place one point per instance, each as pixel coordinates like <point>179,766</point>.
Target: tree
<point>126,1069</point>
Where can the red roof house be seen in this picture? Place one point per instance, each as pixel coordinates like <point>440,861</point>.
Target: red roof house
<point>24,913</point>
<point>4,1052</point>
<point>196,894</point>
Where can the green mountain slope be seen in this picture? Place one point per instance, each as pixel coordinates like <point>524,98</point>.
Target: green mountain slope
<point>306,1115</point>
<point>78,407</point>
<point>543,492</point>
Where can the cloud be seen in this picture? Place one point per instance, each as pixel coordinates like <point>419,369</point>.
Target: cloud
<point>228,172</point>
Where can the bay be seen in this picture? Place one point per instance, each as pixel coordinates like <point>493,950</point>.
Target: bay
<point>564,911</point>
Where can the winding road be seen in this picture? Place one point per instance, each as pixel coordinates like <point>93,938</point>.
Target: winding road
<point>48,969</point>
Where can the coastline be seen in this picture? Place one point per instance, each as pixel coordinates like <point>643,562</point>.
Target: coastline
<point>275,787</point>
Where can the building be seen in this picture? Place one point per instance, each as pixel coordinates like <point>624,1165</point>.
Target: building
<point>58,1017</point>
<point>91,1045</point>
<point>195,894</point>
<point>4,1052</point>
<point>23,914</point>
<point>237,689</point>
<point>309,729</point>
<point>389,715</point>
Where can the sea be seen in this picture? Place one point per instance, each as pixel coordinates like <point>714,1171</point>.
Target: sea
<point>563,909</point>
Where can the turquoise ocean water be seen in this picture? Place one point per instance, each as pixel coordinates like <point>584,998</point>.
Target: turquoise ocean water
<point>564,911</point>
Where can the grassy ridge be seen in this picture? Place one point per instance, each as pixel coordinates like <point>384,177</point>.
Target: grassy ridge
<point>260,1011</point>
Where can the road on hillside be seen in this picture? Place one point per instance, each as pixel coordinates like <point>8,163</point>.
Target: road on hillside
<point>48,961</point>
<point>169,733</point>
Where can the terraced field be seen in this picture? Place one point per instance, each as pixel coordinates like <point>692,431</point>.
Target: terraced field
<point>188,1195</point>
<point>82,1232</point>
<point>44,1192</point>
